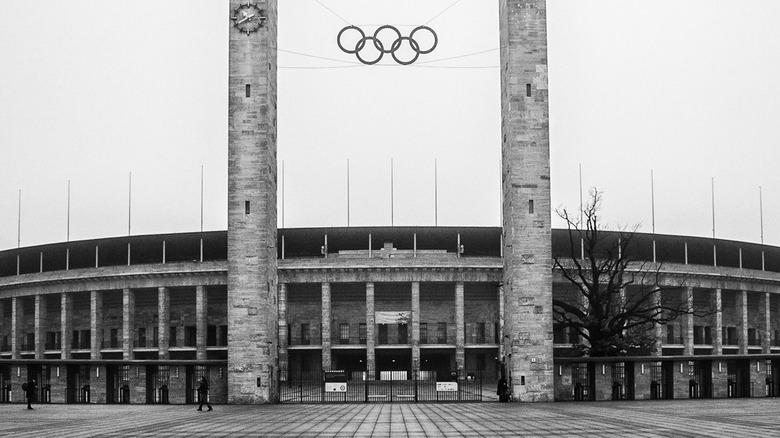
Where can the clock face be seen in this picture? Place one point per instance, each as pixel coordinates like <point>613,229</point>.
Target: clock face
<point>248,18</point>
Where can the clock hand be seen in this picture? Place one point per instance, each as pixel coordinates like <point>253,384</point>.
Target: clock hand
<point>248,17</point>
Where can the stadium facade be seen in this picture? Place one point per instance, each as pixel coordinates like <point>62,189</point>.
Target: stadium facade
<point>139,319</point>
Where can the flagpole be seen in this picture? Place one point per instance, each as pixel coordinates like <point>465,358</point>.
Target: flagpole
<point>761,212</point>
<point>435,193</point>
<point>19,222</point>
<point>129,200</point>
<point>282,193</point>
<point>713,207</point>
<point>392,199</point>
<point>347,192</point>
<point>201,198</point>
<point>68,232</point>
<point>652,198</point>
<point>581,205</point>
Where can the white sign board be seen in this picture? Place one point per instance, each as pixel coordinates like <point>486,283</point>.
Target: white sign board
<point>447,386</point>
<point>335,386</point>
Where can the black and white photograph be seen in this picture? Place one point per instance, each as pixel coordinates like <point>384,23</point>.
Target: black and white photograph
<point>389,218</point>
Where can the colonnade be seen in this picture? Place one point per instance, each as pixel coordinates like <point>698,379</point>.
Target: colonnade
<point>96,325</point>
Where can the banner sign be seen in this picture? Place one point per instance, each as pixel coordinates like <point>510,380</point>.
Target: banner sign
<point>393,317</point>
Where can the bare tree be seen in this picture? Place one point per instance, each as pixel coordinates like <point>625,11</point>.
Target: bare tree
<point>618,299</point>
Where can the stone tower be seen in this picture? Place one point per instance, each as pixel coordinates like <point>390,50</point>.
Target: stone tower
<point>252,266</point>
<point>525,150</point>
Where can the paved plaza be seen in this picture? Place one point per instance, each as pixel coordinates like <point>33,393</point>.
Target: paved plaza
<point>682,418</point>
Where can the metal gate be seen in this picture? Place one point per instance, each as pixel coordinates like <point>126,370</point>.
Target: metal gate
<point>339,386</point>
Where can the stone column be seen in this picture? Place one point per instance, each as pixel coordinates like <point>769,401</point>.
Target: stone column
<point>687,323</point>
<point>128,323</point>
<point>283,341</point>
<point>501,323</point>
<point>201,321</point>
<point>658,329</point>
<point>717,337</point>
<point>743,322</point>
<point>96,323</point>
<point>526,225</point>
<point>66,324</point>
<point>415,326</point>
<point>370,324</point>
<point>163,322</point>
<point>40,325</point>
<point>766,337</point>
<point>326,341</point>
<point>460,327</point>
<point>17,311</point>
<point>252,216</point>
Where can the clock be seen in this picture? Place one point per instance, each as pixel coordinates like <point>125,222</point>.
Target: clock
<point>248,18</point>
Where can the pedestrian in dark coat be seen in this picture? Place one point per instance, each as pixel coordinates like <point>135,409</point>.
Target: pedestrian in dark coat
<point>203,393</point>
<point>32,387</point>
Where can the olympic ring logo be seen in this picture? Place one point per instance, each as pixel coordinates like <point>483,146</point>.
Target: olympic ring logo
<point>381,47</point>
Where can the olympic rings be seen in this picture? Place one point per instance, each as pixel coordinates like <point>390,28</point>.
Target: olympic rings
<point>382,48</point>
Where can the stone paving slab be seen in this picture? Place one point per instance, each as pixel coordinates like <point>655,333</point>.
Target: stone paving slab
<point>672,418</point>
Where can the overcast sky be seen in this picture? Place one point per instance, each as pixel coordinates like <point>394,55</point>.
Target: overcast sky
<point>92,90</point>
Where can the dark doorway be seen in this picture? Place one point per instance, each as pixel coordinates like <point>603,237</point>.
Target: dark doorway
<point>193,376</point>
<point>583,378</point>
<point>700,379</point>
<point>42,376</point>
<point>393,364</point>
<point>436,363</point>
<point>78,389</point>
<point>667,379</point>
<point>773,378</point>
<point>623,381</point>
<point>350,361</point>
<point>739,378</point>
<point>157,381</point>
<point>117,383</point>
<point>5,384</point>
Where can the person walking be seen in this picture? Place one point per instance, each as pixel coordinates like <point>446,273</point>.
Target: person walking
<point>32,387</point>
<point>203,393</point>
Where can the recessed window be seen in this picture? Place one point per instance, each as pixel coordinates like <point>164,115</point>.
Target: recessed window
<point>246,207</point>
<point>530,206</point>
<point>248,90</point>
<point>527,90</point>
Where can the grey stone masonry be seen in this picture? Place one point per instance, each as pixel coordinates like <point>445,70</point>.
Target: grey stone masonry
<point>742,301</point>
<point>370,322</point>
<point>66,324</point>
<point>460,326</point>
<point>164,322</point>
<point>16,324</point>
<point>40,325</point>
<point>526,207</point>
<point>687,295</point>
<point>128,323</point>
<point>326,322</point>
<point>96,323</point>
<point>766,336</point>
<point>201,320</point>
<point>717,337</point>
<point>415,326</point>
<point>283,339</point>
<point>252,266</point>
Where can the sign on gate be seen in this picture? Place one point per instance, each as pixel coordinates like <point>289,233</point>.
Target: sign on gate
<point>447,386</point>
<point>335,386</point>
